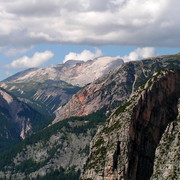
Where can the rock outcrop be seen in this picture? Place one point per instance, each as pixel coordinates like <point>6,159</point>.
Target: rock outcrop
<point>46,96</point>
<point>10,109</point>
<point>65,144</point>
<point>17,119</point>
<point>124,148</point>
<point>167,156</point>
<point>49,88</point>
<point>115,88</point>
<point>62,145</point>
<point>77,73</point>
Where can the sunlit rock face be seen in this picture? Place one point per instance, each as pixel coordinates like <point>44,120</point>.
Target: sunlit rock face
<point>77,73</point>
<point>115,87</point>
<point>51,87</point>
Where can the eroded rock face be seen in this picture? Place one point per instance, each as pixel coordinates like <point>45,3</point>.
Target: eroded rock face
<point>154,111</point>
<point>77,73</point>
<point>166,164</point>
<point>124,148</point>
<point>114,87</point>
<point>10,109</point>
<point>17,120</point>
<point>49,88</point>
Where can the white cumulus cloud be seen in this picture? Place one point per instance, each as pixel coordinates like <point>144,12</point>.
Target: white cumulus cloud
<point>27,62</point>
<point>140,53</point>
<point>115,22</point>
<point>84,55</point>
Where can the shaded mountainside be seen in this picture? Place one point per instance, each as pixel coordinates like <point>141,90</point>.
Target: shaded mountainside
<point>46,96</point>
<point>56,151</point>
<point>116,87</point>
<point>167,156</point>
<point>61,149</point>
<point>124,148</point>
<point>17,120</point>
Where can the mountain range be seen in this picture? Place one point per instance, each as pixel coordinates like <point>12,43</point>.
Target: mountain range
<point>48,88</point>
<point>114,88</point>
<point>80,112</point>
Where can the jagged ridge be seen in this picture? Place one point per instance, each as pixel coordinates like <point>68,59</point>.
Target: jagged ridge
<point>125,147</point>
<point>116,87</point>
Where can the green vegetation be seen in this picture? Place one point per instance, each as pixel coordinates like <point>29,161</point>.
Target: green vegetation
<point>85,150</point>
<point>99,161</point>
<point>61,174</point>
<point>142,79</point>
<point>168,155</point>
<point>90,122</point>
<point>122,108</point>
<point>116,125</point>
<point>99,142</point>
<point>101,151</point>
<point>8,135</point>
<point>27,166</point>
<point>31,87</point>
<point>8,130</point>
<point>38,120</point>
<point>160,63</point>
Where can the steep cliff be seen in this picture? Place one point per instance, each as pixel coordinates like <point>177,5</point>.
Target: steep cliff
<point>124,148</point>
<point>116,87</point>
<point>62,145</point>
<point>17,120</point>
<point>167,156</point>
<point>65,144</point>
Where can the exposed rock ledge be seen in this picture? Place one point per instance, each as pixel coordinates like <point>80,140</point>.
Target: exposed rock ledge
<point>124,148</point>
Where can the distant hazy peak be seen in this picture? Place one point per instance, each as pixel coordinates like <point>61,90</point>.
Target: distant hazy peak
<point>75,72</point>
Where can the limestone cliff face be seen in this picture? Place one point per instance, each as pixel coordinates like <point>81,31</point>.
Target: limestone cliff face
<point>166,164</point>
<point>114,87</point>
<point>17,120</point>
<point>10,110</point>
<point>124,148</point>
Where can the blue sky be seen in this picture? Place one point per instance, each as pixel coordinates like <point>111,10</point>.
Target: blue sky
<point>42,33</point>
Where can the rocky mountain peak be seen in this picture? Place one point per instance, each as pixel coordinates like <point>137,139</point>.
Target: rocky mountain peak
<point>124,148</point>
<point>75,72</point>
<point>63,148</point>
<point>72,63</point>
<point>115,87</point>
